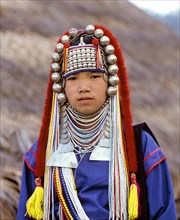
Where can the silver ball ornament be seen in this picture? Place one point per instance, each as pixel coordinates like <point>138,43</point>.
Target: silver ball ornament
<point>111,59</point>
<point>104,40</point>
<point>98,33</point>
<point>55,77</point>
<point>55,67</point>
<point>61,98</point>
<point>111,91</point>
<point>90,29</point>
<point>109,49</point>
<point>113,69</point>
<point>114,80</point>
<point>65,39</point>
<point>73,32</point>
<point>57,87</point>
<point>55,57</point>
<point>59,47</point>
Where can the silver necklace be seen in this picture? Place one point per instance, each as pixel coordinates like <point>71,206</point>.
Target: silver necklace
<point>86,130</point>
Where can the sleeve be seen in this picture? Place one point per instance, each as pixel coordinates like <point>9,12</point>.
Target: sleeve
<point>159,184</point>
<point>27,183</point>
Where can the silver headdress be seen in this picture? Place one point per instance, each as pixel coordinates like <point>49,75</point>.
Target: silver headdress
<point>86,50</point>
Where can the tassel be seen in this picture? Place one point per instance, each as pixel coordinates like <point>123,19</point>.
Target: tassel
<point>134,202</point>
<point>34,205</point>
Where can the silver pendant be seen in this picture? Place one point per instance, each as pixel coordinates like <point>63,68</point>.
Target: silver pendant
<point>102,151</point>
<point>63,157</point>
<point>100,154</point>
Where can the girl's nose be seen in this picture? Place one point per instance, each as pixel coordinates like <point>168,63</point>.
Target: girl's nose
<point>84,87</point>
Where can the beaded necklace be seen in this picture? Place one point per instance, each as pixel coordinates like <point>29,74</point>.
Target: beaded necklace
<point>86,130</point>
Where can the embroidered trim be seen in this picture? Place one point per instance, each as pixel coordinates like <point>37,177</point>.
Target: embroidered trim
<point>149,155</point>
<point>158,162</point>
<point>28,164</point>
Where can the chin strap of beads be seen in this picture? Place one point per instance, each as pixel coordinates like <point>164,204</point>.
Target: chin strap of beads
<point>61,53</point>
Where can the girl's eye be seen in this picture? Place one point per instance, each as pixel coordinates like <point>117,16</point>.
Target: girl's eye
<point>71,78</point>
<point>95,76</point>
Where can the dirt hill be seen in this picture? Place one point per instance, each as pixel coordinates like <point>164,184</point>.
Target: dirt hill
<point>29,31</point>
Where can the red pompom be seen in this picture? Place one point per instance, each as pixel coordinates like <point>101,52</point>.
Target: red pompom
<point>66,45</point>
<point>95,41</point>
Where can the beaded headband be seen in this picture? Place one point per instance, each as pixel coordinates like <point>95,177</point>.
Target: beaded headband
<point>91,52</point>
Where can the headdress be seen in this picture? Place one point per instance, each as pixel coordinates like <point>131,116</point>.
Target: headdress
<point>94,49</point>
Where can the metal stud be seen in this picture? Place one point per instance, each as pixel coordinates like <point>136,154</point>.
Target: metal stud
<point>111,91</point>
<point>104,40</point>
<point>90,29</point>
<point>65,39</point>
<point>59,47</point>
<point>55,57</point>
<point>57,87</point>
<point>55,67</point>
<point>109,49</point>
<point>61,98</point>
<point>55,77</point>
<point>98,33</point>
<point>73,32</point>
<point>114,80</point>
<point>113,69</point>
<point>111,59</point>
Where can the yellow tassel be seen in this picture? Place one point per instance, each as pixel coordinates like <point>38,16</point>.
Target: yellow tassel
<point>133,199</point>
<point>34,205</point>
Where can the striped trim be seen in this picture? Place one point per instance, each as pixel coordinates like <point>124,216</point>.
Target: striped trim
<point>149,155</point>
<point>28,164</point>
<point>155,164</point>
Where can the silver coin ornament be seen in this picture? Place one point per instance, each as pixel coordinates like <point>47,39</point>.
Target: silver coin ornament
<point>55,57</point>
<point>104,40</point>
<point>57,87</point>
<point>98,33</point>
<point>111,91</point>
<point>113,69</point>
<point>55,77</point>
<point>65,39</point>
<point>59,47</point>
<point>73,32</point>
<point>90,29</point>
<point>109,49</point>
<point>111,59</point>
<point>55,67</point>
<point>61,98</point>
<point>114,80</point>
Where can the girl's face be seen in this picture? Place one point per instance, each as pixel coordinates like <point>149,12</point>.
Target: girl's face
<point>86,91</point>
